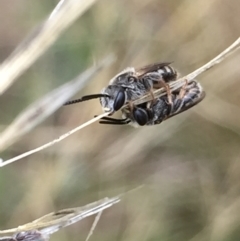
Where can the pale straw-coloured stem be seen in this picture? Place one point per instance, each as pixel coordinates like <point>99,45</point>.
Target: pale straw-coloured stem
<point>174,86</point>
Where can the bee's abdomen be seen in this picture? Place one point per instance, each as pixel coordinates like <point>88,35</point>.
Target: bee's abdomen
<point>168,73</point>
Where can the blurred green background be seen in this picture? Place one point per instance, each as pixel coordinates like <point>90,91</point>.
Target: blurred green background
<point>190,164</point>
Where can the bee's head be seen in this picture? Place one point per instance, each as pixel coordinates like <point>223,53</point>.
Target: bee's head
<point>112,98</point>
<point>115,98</point>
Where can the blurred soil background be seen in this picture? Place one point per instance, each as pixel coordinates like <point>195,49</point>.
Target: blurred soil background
<point>190,164</point>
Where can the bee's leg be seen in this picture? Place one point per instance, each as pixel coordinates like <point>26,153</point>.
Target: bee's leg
<point>153,99</point>
<point>150,90</point>
<point>183,90</point>
<point>113,121</point>
<point>180,99</point>
<point>193,95</point>
<point>162,84</point>
<point>130,105</point>
<point>177,105</point>
<point>107,122</point>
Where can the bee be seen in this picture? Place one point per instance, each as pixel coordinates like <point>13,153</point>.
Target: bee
<point>154,113</point>
<point>131,84</point>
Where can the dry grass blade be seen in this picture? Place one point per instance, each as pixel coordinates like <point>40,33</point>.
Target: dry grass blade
<point>66,12</point>
<point>44,107</point>
<point>55,221</point>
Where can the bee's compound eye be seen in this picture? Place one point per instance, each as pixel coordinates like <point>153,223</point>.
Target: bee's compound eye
<point>141,116</point>
<point>119,100</point>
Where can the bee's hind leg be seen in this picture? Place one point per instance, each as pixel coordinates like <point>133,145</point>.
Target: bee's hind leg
<point>190,95</point>
<point>183,90</point>
<point>180,99</point>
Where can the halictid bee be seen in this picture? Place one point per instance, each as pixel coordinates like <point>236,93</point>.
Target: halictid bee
<point>131,83</point>
<point>158,110</point>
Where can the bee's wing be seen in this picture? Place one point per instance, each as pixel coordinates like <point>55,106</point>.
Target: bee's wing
<point>151,68</point>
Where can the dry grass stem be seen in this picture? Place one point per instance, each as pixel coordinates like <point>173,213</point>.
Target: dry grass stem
<point>51,143</point>
<point>97,218</point>
<point>190,77</point>
<point>44,107</point>
<point>53,222</point>
<point>66,12</point>
<point>174,86</point>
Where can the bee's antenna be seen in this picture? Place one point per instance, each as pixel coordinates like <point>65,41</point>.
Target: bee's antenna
<point>85,98</point>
